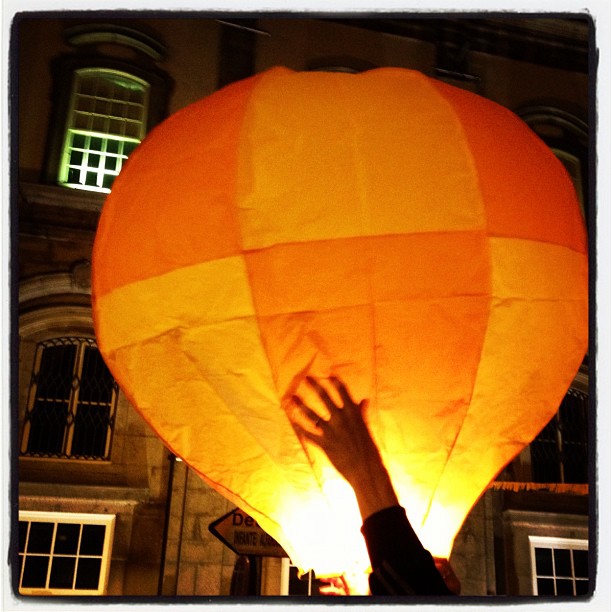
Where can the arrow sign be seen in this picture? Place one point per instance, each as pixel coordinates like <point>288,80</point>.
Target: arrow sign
<point>244,536</point>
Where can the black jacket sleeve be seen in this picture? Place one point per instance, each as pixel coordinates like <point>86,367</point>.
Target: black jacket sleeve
<point>400,564</point>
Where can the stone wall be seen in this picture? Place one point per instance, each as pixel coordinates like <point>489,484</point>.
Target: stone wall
<point>197,563</point>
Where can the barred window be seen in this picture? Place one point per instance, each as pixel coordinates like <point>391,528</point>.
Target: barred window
<point>559,454</point>
<point>560,566</point>
<point>64,553</point>
<point>71,403</point>
<point>106,121</point>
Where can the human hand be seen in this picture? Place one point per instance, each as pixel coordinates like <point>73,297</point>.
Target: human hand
<point>347,442</point>
<point>344,437</point>
<point>334,586</point>
<point>448,575</point>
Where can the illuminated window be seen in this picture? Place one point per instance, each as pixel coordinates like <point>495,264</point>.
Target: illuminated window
<point>71,404</point>
<point>106,121</point>
<point>64,554</point>
<point>560,566</point>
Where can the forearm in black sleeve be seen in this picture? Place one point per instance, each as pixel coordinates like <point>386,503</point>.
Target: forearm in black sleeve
<point>400,564</point>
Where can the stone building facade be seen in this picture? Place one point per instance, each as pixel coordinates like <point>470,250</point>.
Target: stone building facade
<point>145,515</point>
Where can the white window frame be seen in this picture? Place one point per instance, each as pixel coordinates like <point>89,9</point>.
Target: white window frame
<point>553,543</point>
<point>285,573</point>
<point>106,520</point>
<point>130,131</point>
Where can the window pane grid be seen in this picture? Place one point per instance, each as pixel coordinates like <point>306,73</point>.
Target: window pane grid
<point>559,569</point>
<point>107,121</point>
<point>62,556</point>
<point>96,160</point>
<point>71,408</point>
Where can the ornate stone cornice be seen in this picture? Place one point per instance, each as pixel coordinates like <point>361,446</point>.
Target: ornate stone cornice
<point>52,284</point>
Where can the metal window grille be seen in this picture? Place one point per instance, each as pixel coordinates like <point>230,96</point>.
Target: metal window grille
<point>71,403</point>
<point>559,566</point>
<point>106,121</point>
<point>64,554</point>
<point>559,454</point>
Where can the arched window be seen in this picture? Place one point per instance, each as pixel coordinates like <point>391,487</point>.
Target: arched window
<point>567,135</point>
<point>108,93</point>
<point>107,118</point>
<point>71,404</point>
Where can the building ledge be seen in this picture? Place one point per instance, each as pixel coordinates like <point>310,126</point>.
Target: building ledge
<point>81,493</point>
<point>62,197</point>
<point>550,522</point>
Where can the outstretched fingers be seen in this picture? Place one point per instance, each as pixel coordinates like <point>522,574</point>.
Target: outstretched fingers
<point>306,411</point>
<point>347,400</point>
<point>363,404</point>
<point>323,394</point>
<point>301,432</point>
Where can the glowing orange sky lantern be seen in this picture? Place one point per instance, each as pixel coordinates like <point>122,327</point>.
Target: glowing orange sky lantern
<point>410,237</point>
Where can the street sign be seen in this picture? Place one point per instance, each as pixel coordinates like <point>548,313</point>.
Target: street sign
<point>244,536</point>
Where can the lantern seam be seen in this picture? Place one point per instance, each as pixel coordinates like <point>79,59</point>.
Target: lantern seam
<point>470,157</point>
<point>216,485</point>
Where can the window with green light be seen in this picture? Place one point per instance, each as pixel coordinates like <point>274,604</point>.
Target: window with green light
<point>106,121</point>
